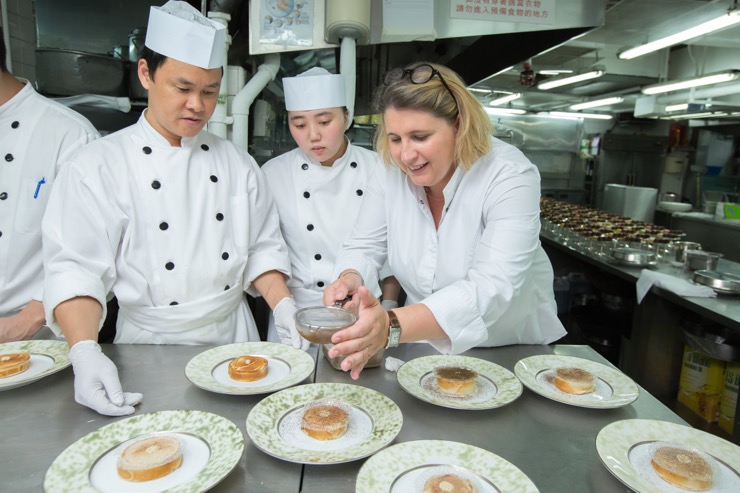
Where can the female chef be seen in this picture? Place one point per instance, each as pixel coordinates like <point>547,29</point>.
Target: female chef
<point>175,221</point>
<point>37,136</point>
<point>457,216</point>
<point>318,187</point>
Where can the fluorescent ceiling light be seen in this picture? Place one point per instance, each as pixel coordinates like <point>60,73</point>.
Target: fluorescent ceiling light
<point>597,103</point>
<point>505,99</point>
<point>475,89</point>
<point>555,71</point>
<point>703,80</point>
<point>505,111</point>
<point>721,22</point>
<point>689,116</point>
<point>677,107</point>
<point>572,79</point>
<point>574,115</point>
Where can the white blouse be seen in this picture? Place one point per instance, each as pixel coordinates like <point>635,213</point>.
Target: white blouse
<point>482,273</point>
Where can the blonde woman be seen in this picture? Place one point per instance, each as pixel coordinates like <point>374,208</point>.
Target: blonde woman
<point>456,214</point>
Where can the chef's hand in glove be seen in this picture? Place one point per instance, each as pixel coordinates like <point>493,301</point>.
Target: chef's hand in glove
<point>96,381</point>
<point>285,324</point>
<point>389,304</point>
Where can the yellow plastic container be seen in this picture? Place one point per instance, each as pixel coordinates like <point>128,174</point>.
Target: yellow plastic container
<point>728,403</point>
<point>701,384</point>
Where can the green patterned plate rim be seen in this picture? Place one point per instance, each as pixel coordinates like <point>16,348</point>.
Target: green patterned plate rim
<point>624,389</point>
<point>70,471</point>
<point>508,386</point>
<point>615,440</point>
<point>264,419</point>
<point>56,350</point>
<point>199,369</point>
<point>380,471</point>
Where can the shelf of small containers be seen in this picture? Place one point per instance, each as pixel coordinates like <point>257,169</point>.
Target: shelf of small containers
<point>598,232</point>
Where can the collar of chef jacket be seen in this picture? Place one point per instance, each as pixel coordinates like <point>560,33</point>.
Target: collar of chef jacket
<point>338,163</point>
<point>449,191</point>
<point>14,103</point>
<point>159,139</point>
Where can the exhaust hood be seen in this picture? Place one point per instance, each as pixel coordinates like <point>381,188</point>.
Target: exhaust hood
<point>475,47</point>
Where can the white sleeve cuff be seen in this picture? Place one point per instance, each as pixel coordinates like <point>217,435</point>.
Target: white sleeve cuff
<point>65,286</point>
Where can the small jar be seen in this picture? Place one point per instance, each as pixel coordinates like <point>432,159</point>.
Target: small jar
<point>374,361</point>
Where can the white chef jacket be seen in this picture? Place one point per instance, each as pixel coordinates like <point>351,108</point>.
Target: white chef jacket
<point>36,136</point>
<point>317,207</point>
<point>176,233</point>
<point>483,273</point>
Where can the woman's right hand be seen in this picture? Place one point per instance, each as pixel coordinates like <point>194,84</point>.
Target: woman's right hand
<point>346,285</point>
<point>366,337</point>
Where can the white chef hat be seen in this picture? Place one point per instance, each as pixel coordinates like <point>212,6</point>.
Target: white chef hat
<point>314,89</point>
<point>177,30</point>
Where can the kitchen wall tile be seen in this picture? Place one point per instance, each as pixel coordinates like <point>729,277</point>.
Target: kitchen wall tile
<point>26,71</point>
<point>25,8</point>
<point>14,27</point>
<point>27,29</point>
<point>15,52</point>
<point>28,53</point>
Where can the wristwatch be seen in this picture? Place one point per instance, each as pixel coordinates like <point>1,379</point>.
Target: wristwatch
<point>394,330</point>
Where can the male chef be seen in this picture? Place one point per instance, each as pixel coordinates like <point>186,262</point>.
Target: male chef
<point>175,221</point>
<point>308,182</point>
<point>36,136</point>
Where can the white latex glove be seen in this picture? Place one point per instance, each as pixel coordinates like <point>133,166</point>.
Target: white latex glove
<point>96,381</point>
<point>285,324</point>
<point>389,304</point>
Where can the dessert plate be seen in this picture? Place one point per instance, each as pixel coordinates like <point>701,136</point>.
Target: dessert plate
<point>613,388</point>
<point>47,357</point>
<point>213,445</point>
<point>286,366</point>
<point>273,425</point>
<point>496,386</point>
<point>405,466</point>
<point>622,447</point>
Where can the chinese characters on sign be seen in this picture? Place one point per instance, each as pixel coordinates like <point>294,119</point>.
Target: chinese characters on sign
<point>529,11</point>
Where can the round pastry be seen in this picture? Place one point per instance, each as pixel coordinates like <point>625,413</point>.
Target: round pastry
<point>14,363</point>
<point>574,380</point>
<point>448,483</point>
<point>248,368</point>
<point>683,468</point>
<point>325,420</point>
<point>456,379</point>
<point>150,458</point>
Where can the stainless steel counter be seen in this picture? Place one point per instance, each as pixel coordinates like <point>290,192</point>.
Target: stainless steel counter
<point>553,443</point>
<point>652,349</point>
<point>722,309</point>
<point>40,420</point>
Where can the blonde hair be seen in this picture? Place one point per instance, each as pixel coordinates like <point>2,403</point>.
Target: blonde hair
<point>473,139</point>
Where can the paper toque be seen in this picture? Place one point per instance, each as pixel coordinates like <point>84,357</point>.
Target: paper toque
<point>314,89</point>
<point>179,31</point>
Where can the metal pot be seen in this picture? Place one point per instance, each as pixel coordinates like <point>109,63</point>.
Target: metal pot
<point>632,256</point>
<point>701,260</point>
<point>69,73</point>
<point>681,247</point>
<point>136,44</point>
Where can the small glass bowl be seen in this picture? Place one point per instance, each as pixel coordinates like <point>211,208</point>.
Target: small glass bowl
<point>318,323</point>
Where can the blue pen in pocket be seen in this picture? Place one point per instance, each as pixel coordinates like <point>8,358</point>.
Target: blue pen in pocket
<point>38,187</point>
